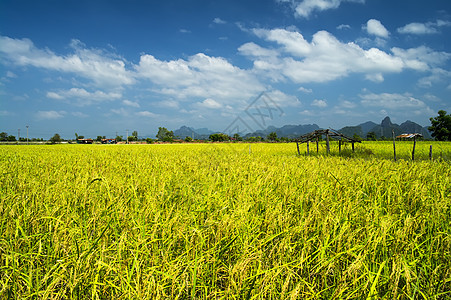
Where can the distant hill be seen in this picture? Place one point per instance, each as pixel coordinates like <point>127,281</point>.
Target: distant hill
<point>198,134</point>
<point>289,131</point>
<point>384,129</point>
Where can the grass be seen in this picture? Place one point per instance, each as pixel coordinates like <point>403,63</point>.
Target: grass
<point>217,222</point>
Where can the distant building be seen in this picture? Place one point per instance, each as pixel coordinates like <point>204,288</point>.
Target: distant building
<point>85,141</point>
<point>109,141</point>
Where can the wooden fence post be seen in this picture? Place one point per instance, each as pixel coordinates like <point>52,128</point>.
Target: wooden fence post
<point>430,152</point>
<point>353,147</point>
<point>339,146</point>
<point>308,147</point>
<point>297,145</point>
<point>394,147</point>
<point>317,145</point>
<point>327,142</point>
<point>413,150</point>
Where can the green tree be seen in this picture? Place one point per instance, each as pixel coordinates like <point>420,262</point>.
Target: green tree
<point>237,137</point>
<point>371,136</point>
<point>3,136</point>
<point>56,138</point>
<point>356,137</point>
<point>441,126</point>
<point>165,135</point>
<point>119,138</point>
<point>219,137</point>
<point>272,136</point>
<point>99,138</point>
<point>135,134</point>
<point>188,139</point>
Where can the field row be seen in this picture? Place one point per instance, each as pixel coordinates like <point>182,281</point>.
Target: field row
<point>228,221</point>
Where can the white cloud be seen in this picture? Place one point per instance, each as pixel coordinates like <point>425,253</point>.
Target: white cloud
<point>10,74</point>
<point>437,75</point>
<point>343,26</point>
<point>293,42</point>
<point>95,65</point>
<point>377,77</point>
<point>347,104</point>
<point>219,21</point>
<point>50,115</point>
<point>375,27</point>
<point>131,103</point>
<point>423,28</point>
<point>170,103</point>
<point>146,114</point>
<point>319,103</point>
<point>210,103</point>
<point>282,99</point>
<point>79,114</point>
<point>394,102</point>
<point>323,59</point>
<point>200,76</point>
<point>83,97</point>
<point>417,28</point>
<point>306,7</point>
<point>254,50</point>
<point>5,113</point>
<point>119,111</point>
<point>421,58</point>
<point>184,30</point>
<point>304,90</point>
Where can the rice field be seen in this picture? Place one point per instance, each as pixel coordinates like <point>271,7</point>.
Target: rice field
<point>225,221</point>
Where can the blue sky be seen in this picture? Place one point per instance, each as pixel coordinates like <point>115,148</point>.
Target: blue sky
<point>102,67</point>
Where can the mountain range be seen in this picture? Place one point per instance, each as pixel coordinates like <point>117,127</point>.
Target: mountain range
<point>384,129</point>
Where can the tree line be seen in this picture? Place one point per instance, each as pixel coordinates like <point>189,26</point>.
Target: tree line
<point>440,130</point>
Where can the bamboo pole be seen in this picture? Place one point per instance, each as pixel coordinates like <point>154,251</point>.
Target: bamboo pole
<point>339,146</point>
<point>297,145</point>
<point>413,150</point>
<point>353,147</point>
<point>308,147</point>
<point>430,152</point>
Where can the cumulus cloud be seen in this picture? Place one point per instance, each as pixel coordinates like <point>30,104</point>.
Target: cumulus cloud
<point>146,114</point>
<point>219,21</point>
<point>131,103</point>
<point>200,76</point>
<point>343,26</point>
<point>210,103</point>
<point>395,103</point>
<point>169,103</point>
<point>79,114</point>
<point>421,58</point>
<point>375,27</point>
<point>83,97</point>
<point>323,59</point>
<point>283,99</point>
<point>304,90</point>
<point>306,7</point>
<point>94,65</point>
<point>50,115</point>
<point>319,103</point>
<point>423,28</point>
